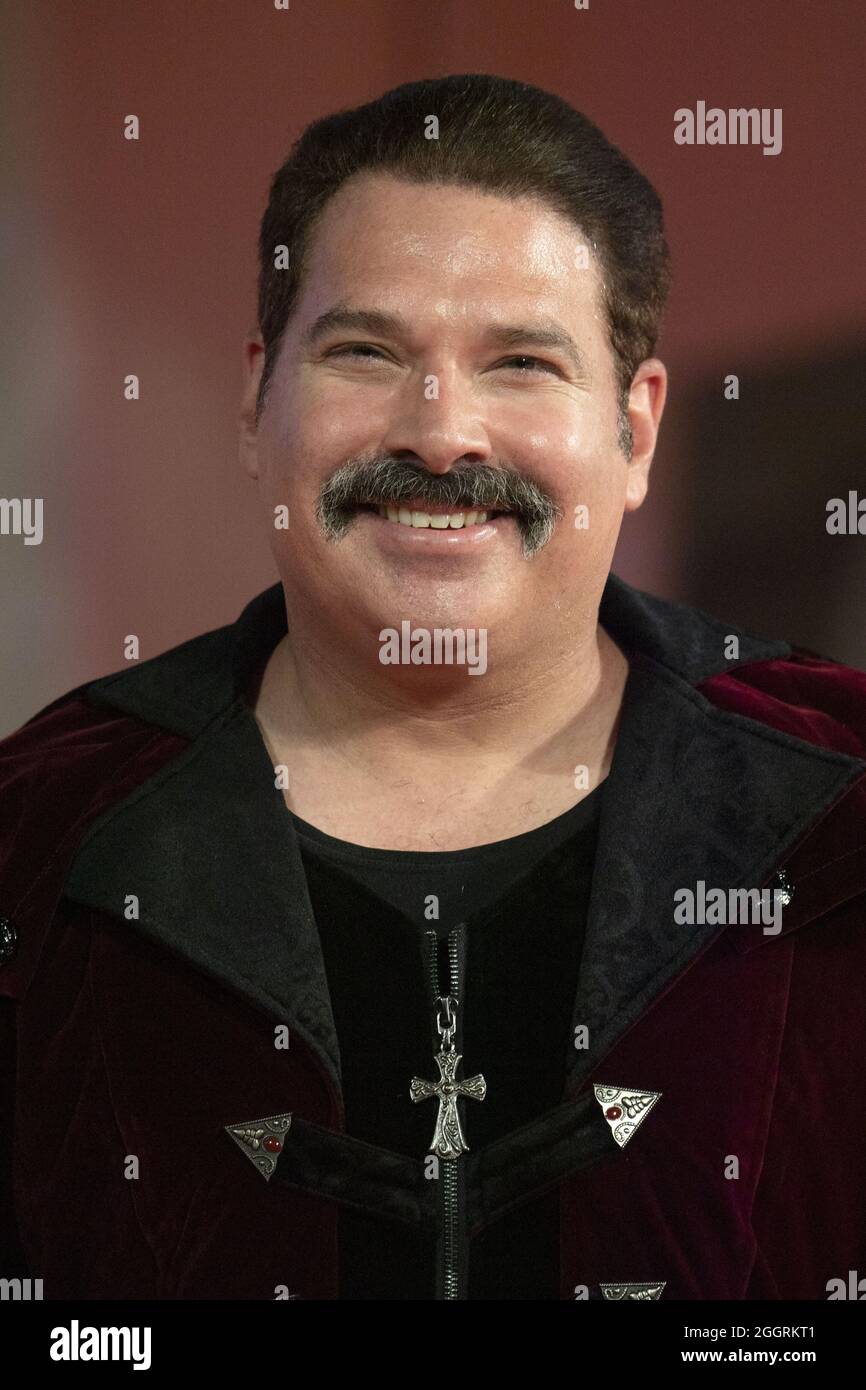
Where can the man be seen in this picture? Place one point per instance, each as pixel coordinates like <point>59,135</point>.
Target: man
<point>461,922</point>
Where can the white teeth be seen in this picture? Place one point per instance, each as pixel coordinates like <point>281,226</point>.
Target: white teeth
<point>439,521</point>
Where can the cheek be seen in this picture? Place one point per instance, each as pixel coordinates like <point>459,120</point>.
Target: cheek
<point>577,463</point>
<point>571,459</point>
<point>311,437</point>
<point>333,428</point>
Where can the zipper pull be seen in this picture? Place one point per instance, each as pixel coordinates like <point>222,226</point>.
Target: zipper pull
<point>446,1020</point>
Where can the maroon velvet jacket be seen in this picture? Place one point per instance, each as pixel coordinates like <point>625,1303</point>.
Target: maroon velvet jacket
<point>153,1036</point>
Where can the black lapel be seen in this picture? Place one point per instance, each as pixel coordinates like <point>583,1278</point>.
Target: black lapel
<point>693,793</point>
<point>207,845</point>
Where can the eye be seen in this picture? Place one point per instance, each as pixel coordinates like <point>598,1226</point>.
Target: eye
<point>360,350</point>
<point>537,364</point>
<point>527,366</point>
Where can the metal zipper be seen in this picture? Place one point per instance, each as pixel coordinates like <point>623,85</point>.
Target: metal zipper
<point>445,981</point>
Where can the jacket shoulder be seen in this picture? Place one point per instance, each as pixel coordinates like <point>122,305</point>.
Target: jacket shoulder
<point>60,770</point>
<point>803,694</point>
<point>84,753</point>
<point>98,727</point>
<point>63,752</point>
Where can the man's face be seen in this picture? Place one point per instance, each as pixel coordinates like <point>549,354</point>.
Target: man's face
<point>476,349</point>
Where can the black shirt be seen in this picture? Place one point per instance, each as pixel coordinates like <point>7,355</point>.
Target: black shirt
<point>524,902</point>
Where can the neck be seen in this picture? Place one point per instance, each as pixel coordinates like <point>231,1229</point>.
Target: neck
<point>541,716</point>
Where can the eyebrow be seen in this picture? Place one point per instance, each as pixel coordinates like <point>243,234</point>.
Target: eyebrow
<point>545,333</point>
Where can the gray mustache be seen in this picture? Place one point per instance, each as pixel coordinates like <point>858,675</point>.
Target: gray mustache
<point>469,487</point>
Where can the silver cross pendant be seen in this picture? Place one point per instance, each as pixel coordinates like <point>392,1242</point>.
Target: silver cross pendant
<point>448,1138</point>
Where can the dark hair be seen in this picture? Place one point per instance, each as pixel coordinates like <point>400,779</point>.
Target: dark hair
<point>497,134</point>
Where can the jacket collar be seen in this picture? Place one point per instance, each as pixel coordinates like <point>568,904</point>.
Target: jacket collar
<point>693,793</point>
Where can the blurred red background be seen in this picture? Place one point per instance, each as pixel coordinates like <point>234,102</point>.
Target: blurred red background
<point>141,257</point>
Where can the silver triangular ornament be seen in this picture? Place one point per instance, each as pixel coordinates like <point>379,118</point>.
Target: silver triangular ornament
<point>624,1108</point>
<point>261,1140</point>
<point>632,1291</point>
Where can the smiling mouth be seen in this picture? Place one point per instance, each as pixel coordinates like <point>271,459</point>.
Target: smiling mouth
<point>437,520</point>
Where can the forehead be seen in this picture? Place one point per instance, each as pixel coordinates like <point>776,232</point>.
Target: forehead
<point>462,247</point>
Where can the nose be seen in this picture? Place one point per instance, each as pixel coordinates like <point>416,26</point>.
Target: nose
<point>437,424</point>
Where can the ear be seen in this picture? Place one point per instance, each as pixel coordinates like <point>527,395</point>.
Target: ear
<point>253,364</point>
<point>646,403</point>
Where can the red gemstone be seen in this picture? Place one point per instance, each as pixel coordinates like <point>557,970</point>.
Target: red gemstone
<point>612,1112</point>
<point>272,1145</point>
